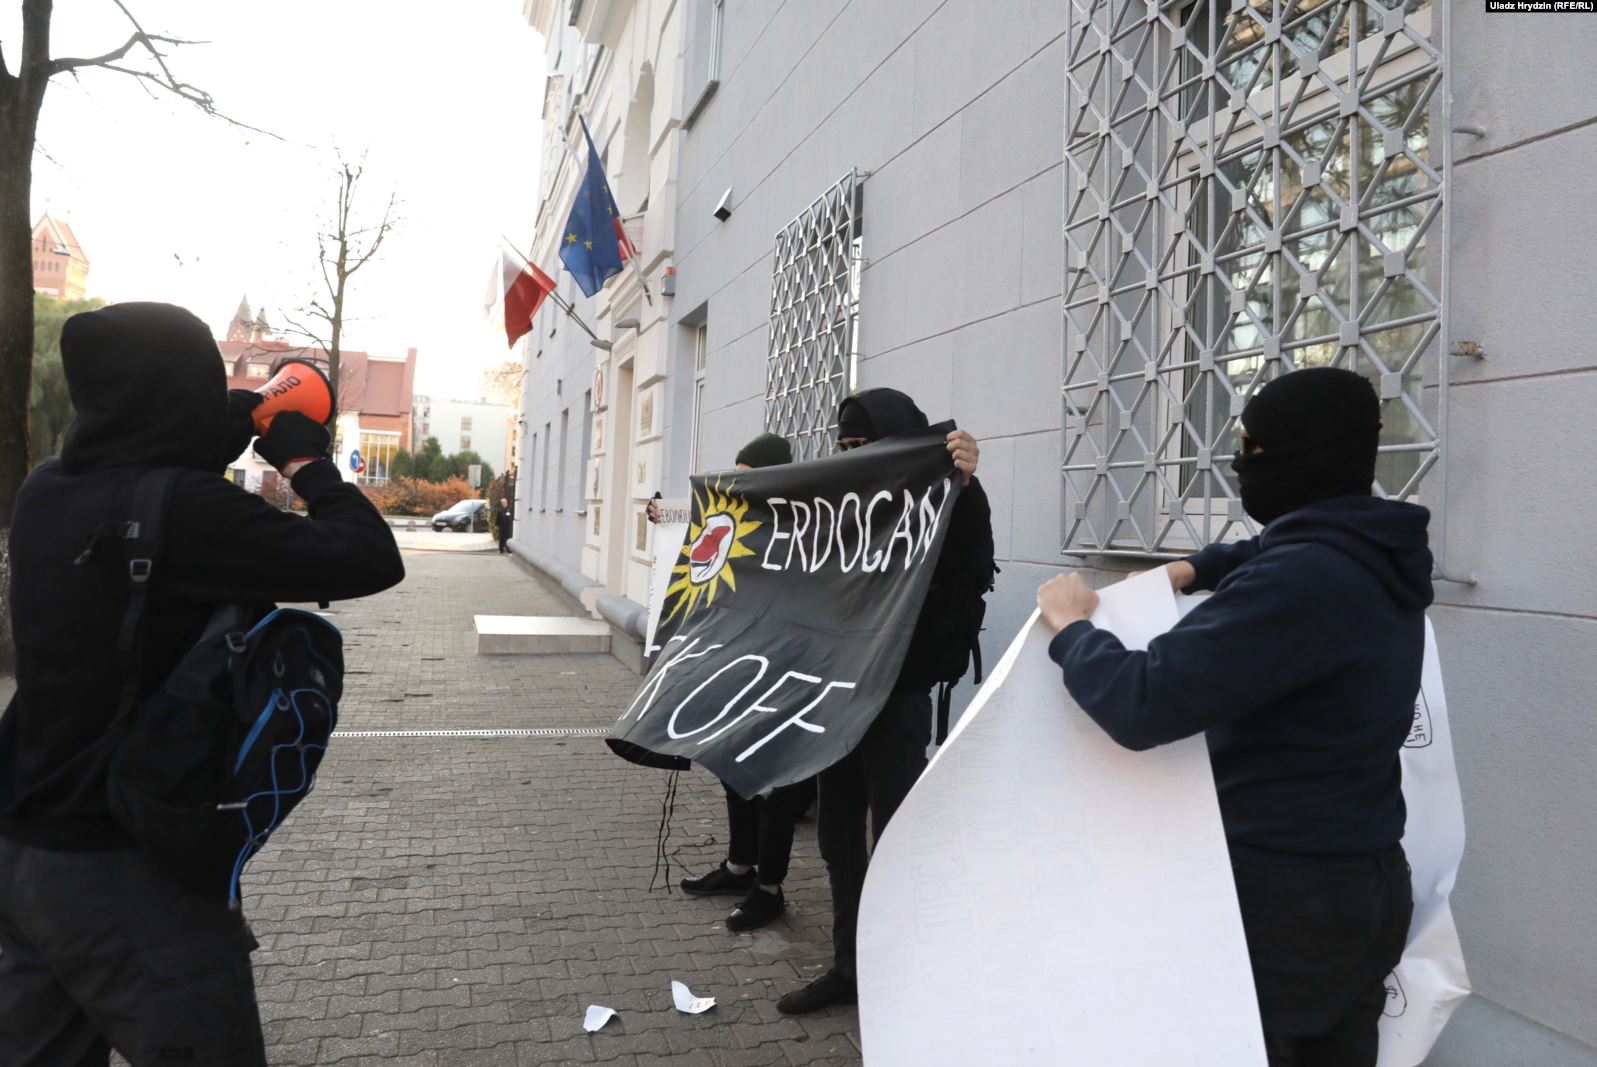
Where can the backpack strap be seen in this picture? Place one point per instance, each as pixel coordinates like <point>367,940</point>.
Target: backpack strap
<point>142,544</point>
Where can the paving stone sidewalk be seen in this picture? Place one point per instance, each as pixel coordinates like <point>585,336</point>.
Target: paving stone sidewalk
<point>447,901</point>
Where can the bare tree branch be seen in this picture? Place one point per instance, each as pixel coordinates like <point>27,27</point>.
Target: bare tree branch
<point>57,66</point>
<point>301,330</point>
<point>165,80</point>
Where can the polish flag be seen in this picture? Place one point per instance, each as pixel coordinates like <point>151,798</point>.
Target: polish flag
<point>628,250</point>
<point>525,287</point>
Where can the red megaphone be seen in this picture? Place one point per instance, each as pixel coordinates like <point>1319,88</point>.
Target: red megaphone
<point>297,386</point>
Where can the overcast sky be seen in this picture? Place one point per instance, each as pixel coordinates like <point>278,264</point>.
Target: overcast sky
<point>443,100</point>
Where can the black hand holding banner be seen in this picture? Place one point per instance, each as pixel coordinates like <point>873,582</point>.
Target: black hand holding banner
<point>790,610</point>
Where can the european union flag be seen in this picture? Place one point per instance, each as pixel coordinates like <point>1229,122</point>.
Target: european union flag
<point>591,247</point>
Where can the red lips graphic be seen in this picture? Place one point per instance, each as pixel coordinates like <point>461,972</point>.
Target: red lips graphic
<point>709,544</point>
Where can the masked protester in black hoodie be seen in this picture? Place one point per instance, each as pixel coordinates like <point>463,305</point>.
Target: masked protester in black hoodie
<point>873,779</point>
<point>98,947</point>
<point>1301,670</point>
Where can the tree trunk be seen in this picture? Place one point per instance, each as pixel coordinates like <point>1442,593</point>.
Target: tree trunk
<point>21,94</point>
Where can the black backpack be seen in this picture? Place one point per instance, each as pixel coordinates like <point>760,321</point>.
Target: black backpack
<point>211,762</point>
<point>955,608</point>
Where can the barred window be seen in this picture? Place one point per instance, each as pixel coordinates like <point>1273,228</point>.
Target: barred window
<point>1248,191</point>
<point>815,319</point>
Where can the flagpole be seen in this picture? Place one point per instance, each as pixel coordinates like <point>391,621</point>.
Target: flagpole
<point>560,302</point>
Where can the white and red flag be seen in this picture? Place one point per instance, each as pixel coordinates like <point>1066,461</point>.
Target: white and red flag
<point>524,287</point>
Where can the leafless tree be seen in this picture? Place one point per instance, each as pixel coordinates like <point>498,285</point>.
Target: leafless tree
<point>343,247</point>
<point>23,80</point>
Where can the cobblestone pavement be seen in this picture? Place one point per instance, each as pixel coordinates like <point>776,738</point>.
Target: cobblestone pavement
<point>449,901</point>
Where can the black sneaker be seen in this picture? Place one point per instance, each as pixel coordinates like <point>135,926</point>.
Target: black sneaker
<point>757,909</point>
<point>829,989</point>
<point>719,882</point>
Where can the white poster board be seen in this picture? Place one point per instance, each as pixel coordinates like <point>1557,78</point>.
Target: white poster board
<point>668,538</point>
<point>1044,896</point>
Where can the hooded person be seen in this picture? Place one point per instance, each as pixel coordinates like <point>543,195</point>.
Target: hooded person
<point>869,783</point>
<point>760,832</point>
<point>99,947</point>
<point>1301,670</point>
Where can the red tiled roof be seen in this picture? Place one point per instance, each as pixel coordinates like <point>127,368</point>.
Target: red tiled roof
<point>369,386</point>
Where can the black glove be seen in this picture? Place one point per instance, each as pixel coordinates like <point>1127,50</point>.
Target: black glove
<point>292,436</point>
<point>241,404</point>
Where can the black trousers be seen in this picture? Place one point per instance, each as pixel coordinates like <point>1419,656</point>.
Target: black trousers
<point>760,831</point>
<point>100,950</point>
<point>870,781</point>
<point>504,538</point>
<point>1322,937</point>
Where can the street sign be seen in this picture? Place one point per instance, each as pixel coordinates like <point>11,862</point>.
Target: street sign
<point>474,474</point>
<point>357,462</point>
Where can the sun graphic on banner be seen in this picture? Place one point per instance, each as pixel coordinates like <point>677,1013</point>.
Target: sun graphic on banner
<point>713,542</point>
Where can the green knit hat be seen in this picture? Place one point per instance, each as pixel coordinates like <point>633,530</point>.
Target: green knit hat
<point>766,450</point>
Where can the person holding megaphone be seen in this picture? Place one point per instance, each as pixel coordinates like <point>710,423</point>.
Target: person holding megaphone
<point>101,946</point>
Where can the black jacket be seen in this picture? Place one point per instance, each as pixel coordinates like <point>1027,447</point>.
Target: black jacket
<point>965,568</point>
<point>149,391</point>
<point>1303,668</point>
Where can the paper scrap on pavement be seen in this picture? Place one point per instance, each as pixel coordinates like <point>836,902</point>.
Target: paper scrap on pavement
<point>687,1002</point>
<point>1115,917</point>
<point>597,1017</point>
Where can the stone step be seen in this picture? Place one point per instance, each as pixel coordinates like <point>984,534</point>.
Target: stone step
<point>540,634</point>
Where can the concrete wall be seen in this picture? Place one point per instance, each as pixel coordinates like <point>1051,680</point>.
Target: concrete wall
<point>1516,648</point>
<point>956,109</point>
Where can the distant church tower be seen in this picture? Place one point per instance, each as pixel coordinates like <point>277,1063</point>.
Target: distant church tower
<point>247,328</point>
<point>241,326</point>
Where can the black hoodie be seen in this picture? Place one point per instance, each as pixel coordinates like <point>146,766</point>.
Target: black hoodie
<point>149,390</point>
<point>1303,668</point>
<point>965,568</point>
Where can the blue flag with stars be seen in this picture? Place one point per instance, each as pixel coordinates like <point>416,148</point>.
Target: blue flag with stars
<point>591,248</point>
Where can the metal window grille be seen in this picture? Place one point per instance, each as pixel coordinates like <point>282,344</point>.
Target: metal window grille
<point>815,319</point>
<point>1248,191</point>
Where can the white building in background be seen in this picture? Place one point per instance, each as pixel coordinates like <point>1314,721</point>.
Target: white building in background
<point>1086,230</point>
<point>595,418</point>
<point>480,426</point>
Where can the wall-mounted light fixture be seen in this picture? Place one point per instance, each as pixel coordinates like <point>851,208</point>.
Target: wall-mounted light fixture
<point>723,209</point>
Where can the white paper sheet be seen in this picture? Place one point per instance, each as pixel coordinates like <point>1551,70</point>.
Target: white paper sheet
<point>668,540</point>
<point>597,1016</point>
<point>1044,896</point>
<point>1431,980</point>
<point>687,1003</point>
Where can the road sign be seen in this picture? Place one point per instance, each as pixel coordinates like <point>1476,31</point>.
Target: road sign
<point>474,474</point>
<point>357,462</point>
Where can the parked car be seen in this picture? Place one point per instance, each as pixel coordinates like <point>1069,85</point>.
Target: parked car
<point>467,515</point>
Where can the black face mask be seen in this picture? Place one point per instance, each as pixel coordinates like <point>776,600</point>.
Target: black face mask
<point>1272,484</point>
<point>1319,430</point>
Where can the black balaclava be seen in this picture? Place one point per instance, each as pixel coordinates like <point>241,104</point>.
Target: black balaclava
<point>766,450</point>
<point>148,388</point>
<point>1319,429</point>
<point>878,413</point>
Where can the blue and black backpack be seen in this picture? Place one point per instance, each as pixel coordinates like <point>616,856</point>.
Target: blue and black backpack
<point>212,761</point>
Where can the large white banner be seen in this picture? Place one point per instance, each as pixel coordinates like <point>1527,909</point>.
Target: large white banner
<point>1430,981</point>
<point>1044,896</point>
